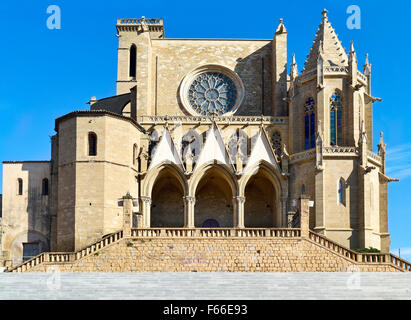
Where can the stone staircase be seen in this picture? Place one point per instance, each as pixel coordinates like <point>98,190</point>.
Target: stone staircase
<point>316,248</point>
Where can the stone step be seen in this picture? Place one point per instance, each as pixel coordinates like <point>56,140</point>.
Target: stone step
<point>208,286</point>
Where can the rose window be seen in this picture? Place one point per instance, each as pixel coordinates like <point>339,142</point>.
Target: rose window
<point>212,93</point>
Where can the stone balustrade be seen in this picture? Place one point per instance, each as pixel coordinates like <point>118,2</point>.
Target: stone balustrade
<point>140,20</point>
<point>374,157</point>
<point>215,232</point>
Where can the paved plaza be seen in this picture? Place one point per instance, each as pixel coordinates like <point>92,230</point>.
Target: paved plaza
<point>208,286</point>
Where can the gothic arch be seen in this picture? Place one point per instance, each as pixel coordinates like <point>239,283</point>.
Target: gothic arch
<point>214,187</point>
<point>276,203</point>
<point>226,171</point>
<point>153,174</point>
<point>271,171</point>
<point>166,187</point>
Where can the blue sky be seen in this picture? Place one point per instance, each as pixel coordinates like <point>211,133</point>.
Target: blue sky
<point>48,73</point>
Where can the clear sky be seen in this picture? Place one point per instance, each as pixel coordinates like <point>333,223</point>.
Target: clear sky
<point>48,73</point>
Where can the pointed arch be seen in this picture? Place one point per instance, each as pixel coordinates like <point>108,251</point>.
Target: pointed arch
<point>214,187</point>
<point>264,190</point>
<point>271,171</point>
<point>227,173</point>
<point>303,190</point>
<point>154,173</point>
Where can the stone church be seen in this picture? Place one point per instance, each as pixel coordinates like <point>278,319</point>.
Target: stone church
<point>208,134</point>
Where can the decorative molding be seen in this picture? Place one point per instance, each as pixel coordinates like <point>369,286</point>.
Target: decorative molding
<point>266,120</point>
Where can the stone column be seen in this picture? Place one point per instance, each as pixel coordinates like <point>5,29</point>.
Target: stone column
<point>127,214</point>
<point>238,208</point>
<point>146,211</point>
<point>189,203</point>
<point>304,207</point>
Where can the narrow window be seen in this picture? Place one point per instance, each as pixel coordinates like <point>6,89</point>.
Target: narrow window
<point>303,190</point>
<point>133,61</point>
<point>92,144</point>
<point>20,186</point>
<point>341,191</point>
<point>336,137</point>
<point>45,187</point>
<point>309,124</point>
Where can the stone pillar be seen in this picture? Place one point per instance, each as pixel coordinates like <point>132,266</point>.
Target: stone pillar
<point>127,214</point>
<point>238,209</point>
<point>189,203</point>
<point>146,211</point>
<point>304,207</point>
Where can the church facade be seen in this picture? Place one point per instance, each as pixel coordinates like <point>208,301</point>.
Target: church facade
<point>208,133</point>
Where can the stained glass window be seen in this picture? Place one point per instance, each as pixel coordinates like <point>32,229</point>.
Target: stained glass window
<point>212,93</point>
<point>336,119</point>
<point>309,124</point>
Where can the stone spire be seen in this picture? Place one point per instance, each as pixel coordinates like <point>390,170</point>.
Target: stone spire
<point>326,41</point>
<point>381,145</point>
<point>353,55</point>
<point>294,69</point>
<point>367,66</point>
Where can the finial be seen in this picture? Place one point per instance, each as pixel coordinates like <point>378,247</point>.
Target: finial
<point>294,69</point>
<point>381,145</point>
<point>324,13</point>
<point>367,66</point>
<point>352,47</point>
<point>281,28</point>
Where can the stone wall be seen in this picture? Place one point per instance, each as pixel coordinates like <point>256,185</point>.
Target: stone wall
<point>213,255</point>
<point>25,216</point>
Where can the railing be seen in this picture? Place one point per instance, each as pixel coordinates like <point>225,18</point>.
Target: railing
<point>310,74</point>
<point>337,149</point>
<point>369,258</point>
<point>139,21</point>
<point>216,232</point>
<point>62,257</point>
<point>362,77</point>
<point>397,261</point>
<point>333,246</point>
<point>374,156</point>
<point>308,154</point>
